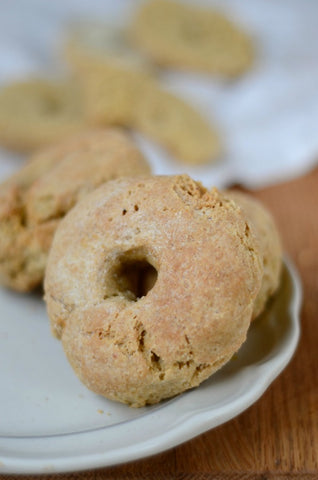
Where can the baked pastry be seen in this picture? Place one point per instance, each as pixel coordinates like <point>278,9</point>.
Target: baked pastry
<point>143,305</point>
<point>33,201</point>
<point>110,93</point>
<point>188,37</point>
<point>129,100</point>
<point>119,88</point>
<point>115,96</point>
<point>269,245</point>
<point>177,126</point>
<point>35,113</point>
<point>110,72</point>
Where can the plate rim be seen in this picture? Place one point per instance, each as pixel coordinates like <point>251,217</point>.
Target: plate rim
<point>187,427</point>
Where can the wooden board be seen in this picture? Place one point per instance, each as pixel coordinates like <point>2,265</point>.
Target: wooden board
<point>277,438</point>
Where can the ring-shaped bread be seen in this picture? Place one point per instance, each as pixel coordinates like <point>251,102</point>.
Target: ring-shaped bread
<point>178,35</point>
<point>35,113</point>
<point>150,285</point>
<point>34,199</point>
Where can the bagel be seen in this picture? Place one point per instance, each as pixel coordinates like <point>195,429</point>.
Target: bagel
<point>119,88</point>
<point>110,93</point>
<point>114,96</point>
<point>144,307</point>
<point>33,200</point>
<point>177,126</point>
<point>111,73</point>
<point>189,37</point>
<point>269,245</point>
<point>35,113</point>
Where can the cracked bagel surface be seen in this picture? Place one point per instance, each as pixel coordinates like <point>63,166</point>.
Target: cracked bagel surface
<point>143,305</point>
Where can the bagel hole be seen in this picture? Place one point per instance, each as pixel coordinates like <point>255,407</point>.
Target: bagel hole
<point>132,275</point>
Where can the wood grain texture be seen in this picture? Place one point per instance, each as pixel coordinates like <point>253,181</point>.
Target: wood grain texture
<point>276,438</point>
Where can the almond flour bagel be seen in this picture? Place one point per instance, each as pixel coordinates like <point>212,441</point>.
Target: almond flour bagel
<point>110,72</point>
<point>269,245</point>
<point>33,200</point>
<point>144,307</point>
<point>119,88</point>
<point>179,35</point>
<point>35,113</point>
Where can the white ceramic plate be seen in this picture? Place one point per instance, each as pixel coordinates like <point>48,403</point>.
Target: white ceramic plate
<point>50,422</point>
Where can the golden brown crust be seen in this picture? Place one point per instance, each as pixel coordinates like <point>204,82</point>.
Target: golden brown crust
<point>35,113</point>
<point>138,346</point>
<point>34,200</point>
<point>269,245</point>
<point>188,37</point>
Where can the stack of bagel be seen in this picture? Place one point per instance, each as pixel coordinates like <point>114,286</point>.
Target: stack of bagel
<point>151,282</point>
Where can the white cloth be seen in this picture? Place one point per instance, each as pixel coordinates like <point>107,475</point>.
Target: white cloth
<point>268,118</point>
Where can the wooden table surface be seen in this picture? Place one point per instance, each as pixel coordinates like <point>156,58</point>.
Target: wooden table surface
<point>276,438</point>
